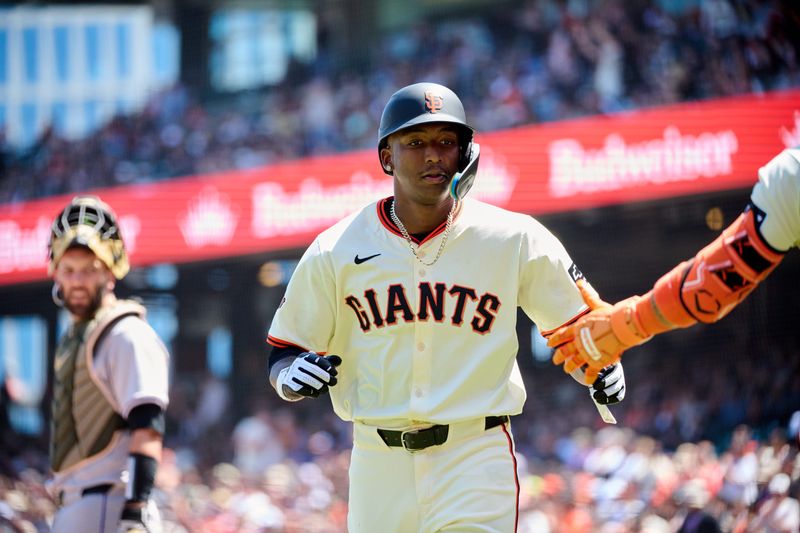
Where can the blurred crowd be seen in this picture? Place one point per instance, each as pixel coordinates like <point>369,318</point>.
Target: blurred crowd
<point>696,445</point>
<point>540,61</point>
<point>283,478</point>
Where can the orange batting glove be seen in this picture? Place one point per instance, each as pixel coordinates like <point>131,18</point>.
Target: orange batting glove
<point>598,338</point>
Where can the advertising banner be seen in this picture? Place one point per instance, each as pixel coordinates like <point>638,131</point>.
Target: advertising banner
<point>563,166</point>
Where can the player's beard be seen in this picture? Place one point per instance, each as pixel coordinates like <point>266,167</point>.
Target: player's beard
<point>85,311</point>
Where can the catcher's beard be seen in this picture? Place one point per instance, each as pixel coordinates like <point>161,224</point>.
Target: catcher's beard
<point>88,310</point>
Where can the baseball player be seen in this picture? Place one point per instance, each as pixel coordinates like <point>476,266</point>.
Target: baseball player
<point>702,289</point>
<point>407,311</point>
<point>110,382</point>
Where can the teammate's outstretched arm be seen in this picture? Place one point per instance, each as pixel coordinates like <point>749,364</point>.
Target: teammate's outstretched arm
<point>703,289</point>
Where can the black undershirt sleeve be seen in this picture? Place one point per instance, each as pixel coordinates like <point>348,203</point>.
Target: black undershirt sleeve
<point>282,353</point>
<point>147,415</point>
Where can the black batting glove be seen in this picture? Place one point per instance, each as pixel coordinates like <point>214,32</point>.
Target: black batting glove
<point>609,387</point>
<point>310,375</point>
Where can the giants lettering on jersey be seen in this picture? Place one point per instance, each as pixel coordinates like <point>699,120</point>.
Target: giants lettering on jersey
<point>438,302</point>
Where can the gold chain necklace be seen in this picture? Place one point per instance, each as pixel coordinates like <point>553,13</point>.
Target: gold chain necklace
<point>411,244</point>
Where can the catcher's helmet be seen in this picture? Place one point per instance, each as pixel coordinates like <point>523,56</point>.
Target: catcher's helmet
<point>89,222</point>
<point>421,103</point>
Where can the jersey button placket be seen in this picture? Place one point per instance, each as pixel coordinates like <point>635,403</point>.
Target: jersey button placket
<point>422,366</point>
<point>420,354</point>
<point>419,392</point>
<point>421,269</point>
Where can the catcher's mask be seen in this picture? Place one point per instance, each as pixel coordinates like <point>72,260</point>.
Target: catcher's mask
<point>90,223</point>
<point>423,103</point>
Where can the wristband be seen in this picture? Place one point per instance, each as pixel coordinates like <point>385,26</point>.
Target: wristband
<point>141,477</point>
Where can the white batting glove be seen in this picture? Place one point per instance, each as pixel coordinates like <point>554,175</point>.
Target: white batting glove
<point>609,387</point>
<point>309,376</point>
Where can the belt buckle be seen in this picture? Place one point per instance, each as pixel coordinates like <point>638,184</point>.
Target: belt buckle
<point>405,443</point>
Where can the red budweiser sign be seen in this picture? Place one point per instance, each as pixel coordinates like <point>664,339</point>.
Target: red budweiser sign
<point>670,151</point>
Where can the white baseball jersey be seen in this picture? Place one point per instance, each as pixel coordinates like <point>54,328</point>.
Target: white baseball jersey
<point>131,366</point>
<point>427,343</point>
<point>777,193</point>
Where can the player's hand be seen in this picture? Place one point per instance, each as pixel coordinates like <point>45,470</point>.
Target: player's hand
<point>310,375</point>
<point>132,520</point>
<point>609,387</point>
<point>597,339</point>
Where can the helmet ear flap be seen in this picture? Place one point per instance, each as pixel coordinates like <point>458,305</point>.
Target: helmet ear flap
<point>465,150</point>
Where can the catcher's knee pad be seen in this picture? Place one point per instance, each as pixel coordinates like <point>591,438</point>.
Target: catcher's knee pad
<point>709,286</point>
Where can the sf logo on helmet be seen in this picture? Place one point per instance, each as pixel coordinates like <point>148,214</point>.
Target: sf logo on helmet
<point>433,101</point>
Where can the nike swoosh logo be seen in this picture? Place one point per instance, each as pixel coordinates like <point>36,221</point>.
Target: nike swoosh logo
<point>359,260</point>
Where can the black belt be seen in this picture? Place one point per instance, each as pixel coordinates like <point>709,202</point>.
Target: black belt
<point>95,489</point>
<point>419,439</point>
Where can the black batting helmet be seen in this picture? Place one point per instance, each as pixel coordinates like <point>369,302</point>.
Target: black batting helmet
<point>421,103</point>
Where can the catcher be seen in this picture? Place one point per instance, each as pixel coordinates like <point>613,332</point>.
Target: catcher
<point>702,289</point>
<point>110,382</point>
